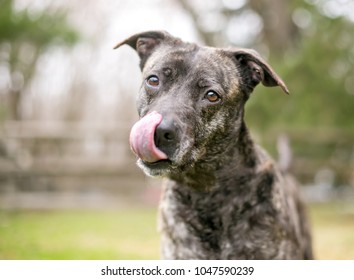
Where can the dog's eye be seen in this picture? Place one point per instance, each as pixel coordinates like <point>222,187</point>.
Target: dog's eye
<point>212,96</point>
<point>153,81</point>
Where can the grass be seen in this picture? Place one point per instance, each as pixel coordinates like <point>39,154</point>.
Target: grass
<point>79,235</point>
<point>333,230</point>
<point>132,234</point>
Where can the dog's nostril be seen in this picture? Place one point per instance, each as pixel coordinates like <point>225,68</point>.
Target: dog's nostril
<point>169,136</point>
<point>164,136</point>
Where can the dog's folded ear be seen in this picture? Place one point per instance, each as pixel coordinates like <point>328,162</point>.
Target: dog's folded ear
<point>145,43</point>
<point>254,70</point>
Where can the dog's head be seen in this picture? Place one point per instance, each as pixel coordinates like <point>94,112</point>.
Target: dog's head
<point>191,100</point>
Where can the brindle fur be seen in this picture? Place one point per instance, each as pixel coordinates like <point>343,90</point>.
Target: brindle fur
<point>223,196</point>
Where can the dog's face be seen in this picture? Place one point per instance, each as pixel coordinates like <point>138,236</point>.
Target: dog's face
<point>191,100</point>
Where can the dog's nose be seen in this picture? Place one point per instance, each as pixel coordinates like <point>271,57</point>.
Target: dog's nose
<point>166,136</point>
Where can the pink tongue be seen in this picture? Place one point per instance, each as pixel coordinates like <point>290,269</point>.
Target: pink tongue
<point>142,138</point>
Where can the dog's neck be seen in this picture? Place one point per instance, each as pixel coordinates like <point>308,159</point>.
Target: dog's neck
<point>241,154</point>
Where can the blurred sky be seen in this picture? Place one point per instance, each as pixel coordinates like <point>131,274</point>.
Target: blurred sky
<point>108,74</point>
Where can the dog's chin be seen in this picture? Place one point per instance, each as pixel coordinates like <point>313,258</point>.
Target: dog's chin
<point>161,168</point>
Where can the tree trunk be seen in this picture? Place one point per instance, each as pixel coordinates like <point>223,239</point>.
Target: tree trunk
<point>279,31</point>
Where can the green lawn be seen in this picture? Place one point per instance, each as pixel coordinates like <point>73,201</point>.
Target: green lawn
<point>132,234</point>
<point>333,230</point>
<point>129,234</point>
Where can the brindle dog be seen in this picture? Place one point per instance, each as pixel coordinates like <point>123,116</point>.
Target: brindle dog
<point>224,197</point>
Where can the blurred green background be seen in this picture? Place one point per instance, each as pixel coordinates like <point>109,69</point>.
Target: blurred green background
<point>69,187</point>
<point>132,233</point>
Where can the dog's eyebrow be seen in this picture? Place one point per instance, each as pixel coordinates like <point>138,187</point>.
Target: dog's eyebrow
<point>206,82</point>
<point>202,83</point>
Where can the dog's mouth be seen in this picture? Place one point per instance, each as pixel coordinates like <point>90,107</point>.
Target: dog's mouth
<point>160,164</point>
<point>153,144</point>
<point>160,168</point>
<point>142,139</point>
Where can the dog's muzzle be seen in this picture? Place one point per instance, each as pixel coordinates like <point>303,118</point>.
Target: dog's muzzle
<point>154,138</point>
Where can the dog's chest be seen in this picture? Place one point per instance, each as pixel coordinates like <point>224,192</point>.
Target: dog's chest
<point>191,229</point>
<point>202,225</point>
<point>223,224</point>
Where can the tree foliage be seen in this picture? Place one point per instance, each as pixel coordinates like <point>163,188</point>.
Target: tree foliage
<point>24,36</point>
<point>319,72</point>
<point>311,50</point>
